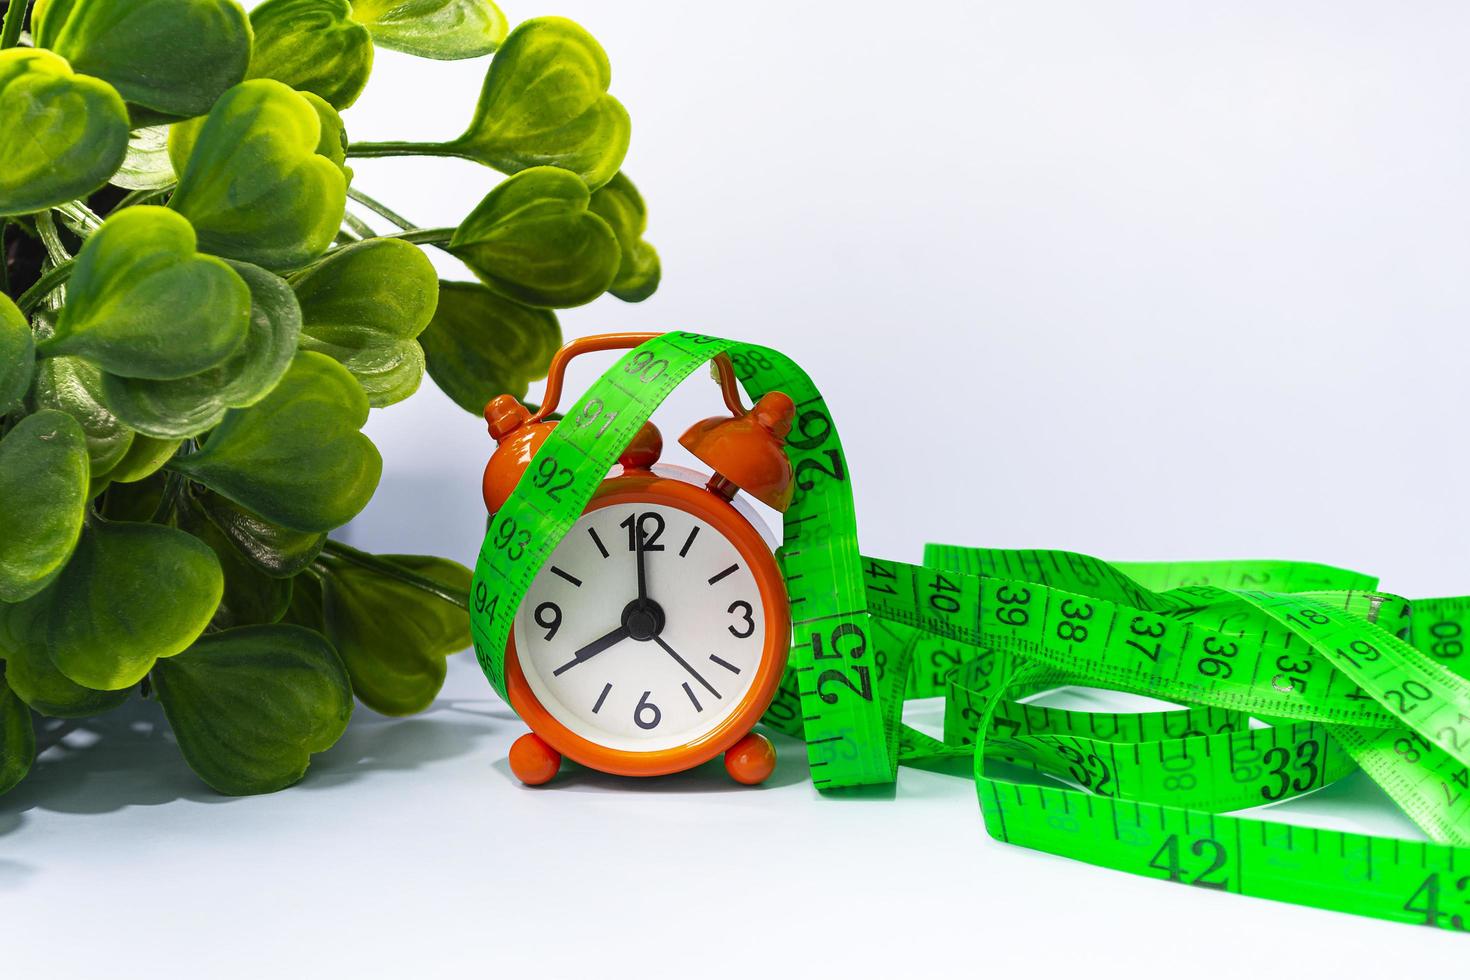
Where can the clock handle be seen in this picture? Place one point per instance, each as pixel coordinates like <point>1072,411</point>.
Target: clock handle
<point>624,341</point>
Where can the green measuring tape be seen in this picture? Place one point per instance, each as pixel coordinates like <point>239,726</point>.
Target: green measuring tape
<point>1293,674</point>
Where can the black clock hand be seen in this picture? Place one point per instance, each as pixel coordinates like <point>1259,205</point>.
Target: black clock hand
<point>685,664</point>
<point>638,550</point>
<point>593,649</point>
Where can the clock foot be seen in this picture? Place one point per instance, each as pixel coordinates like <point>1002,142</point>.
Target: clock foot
<point>533,761</point>
<point>751,759</point>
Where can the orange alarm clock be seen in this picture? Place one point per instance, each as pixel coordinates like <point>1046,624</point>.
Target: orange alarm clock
<point>655,635</point>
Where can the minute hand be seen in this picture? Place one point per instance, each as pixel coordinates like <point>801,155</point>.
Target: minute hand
<point>685,664</point>
<point>642,564</point>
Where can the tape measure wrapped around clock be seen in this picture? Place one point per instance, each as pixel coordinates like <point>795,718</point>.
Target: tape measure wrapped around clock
<point>654,635</point>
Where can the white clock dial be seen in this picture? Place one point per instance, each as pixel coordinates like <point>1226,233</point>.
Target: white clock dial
<point>624,674</point>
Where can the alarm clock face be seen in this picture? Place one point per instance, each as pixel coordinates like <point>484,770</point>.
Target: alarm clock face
<point>649,673</point>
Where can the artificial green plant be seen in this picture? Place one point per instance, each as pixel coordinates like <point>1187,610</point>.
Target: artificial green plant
<point>198,312</point>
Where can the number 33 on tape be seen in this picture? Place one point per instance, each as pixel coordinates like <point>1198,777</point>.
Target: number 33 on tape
<point>635,618</point>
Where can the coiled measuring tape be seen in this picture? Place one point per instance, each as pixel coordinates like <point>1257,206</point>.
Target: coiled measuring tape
<point>1343,677</point>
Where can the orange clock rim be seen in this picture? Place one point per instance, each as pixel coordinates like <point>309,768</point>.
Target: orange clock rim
<point>723,517</point>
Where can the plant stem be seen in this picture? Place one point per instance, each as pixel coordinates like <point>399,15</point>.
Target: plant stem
<point>380,208</point>
<point>396,148</point>
<point>362,228</point>
<point>424,236</point>
<point>80,215</point>
<point>15,15</point>
<point>142,196</point>
<point>43,286</point>
<point>75,224</point>
<point>168,501</point>
<point>396,572</point>
<point>51,238</point>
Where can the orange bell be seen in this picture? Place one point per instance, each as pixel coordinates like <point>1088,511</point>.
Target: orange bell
<point>644,450</point>
<point>517,442</point>
<point>746,450</point>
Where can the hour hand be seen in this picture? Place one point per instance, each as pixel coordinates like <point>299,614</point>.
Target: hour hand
<point>593,649</point>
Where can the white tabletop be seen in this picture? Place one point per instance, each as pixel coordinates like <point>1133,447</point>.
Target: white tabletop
<point>409,850</point>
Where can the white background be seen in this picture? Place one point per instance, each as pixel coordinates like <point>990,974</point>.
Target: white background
<point>1141,280</point>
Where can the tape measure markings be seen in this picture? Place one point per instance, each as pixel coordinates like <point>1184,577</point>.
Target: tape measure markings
<point>1432,814</point>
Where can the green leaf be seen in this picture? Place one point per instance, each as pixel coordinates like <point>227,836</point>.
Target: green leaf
<point>251,597</point>
<point>188,406</point>
<point>96,485</point>
<point>545,102</point>
<point>144,304</point>
<point>17,354</point>
<point>172,56</point>
<point>33,676</point>
<point>388,375</point>
<point>146,166</point>
<point>533,239</point>
<point>250,706</point>
<point>480,345</point>
<point>70,385</point>
<point>296,457</point>
<point>144,458</point>
<point>446,30</point>
<point>313,46</point>
<point>394,637</point>
<point>43,483</point>
<point>363,305</point>
<point>619,204</point>
<point>17,737</point>
<point>65,133</point>
<point>131,594</point>
<point>251,180</point>
<point>137,501</point>
<point>275,550</point>
<point>332,143</point>
<point>306,603</point>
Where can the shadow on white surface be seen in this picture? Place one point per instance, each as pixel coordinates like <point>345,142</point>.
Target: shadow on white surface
<point>375,743</point>
<point>13,874</point>
<point>128,757</point>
